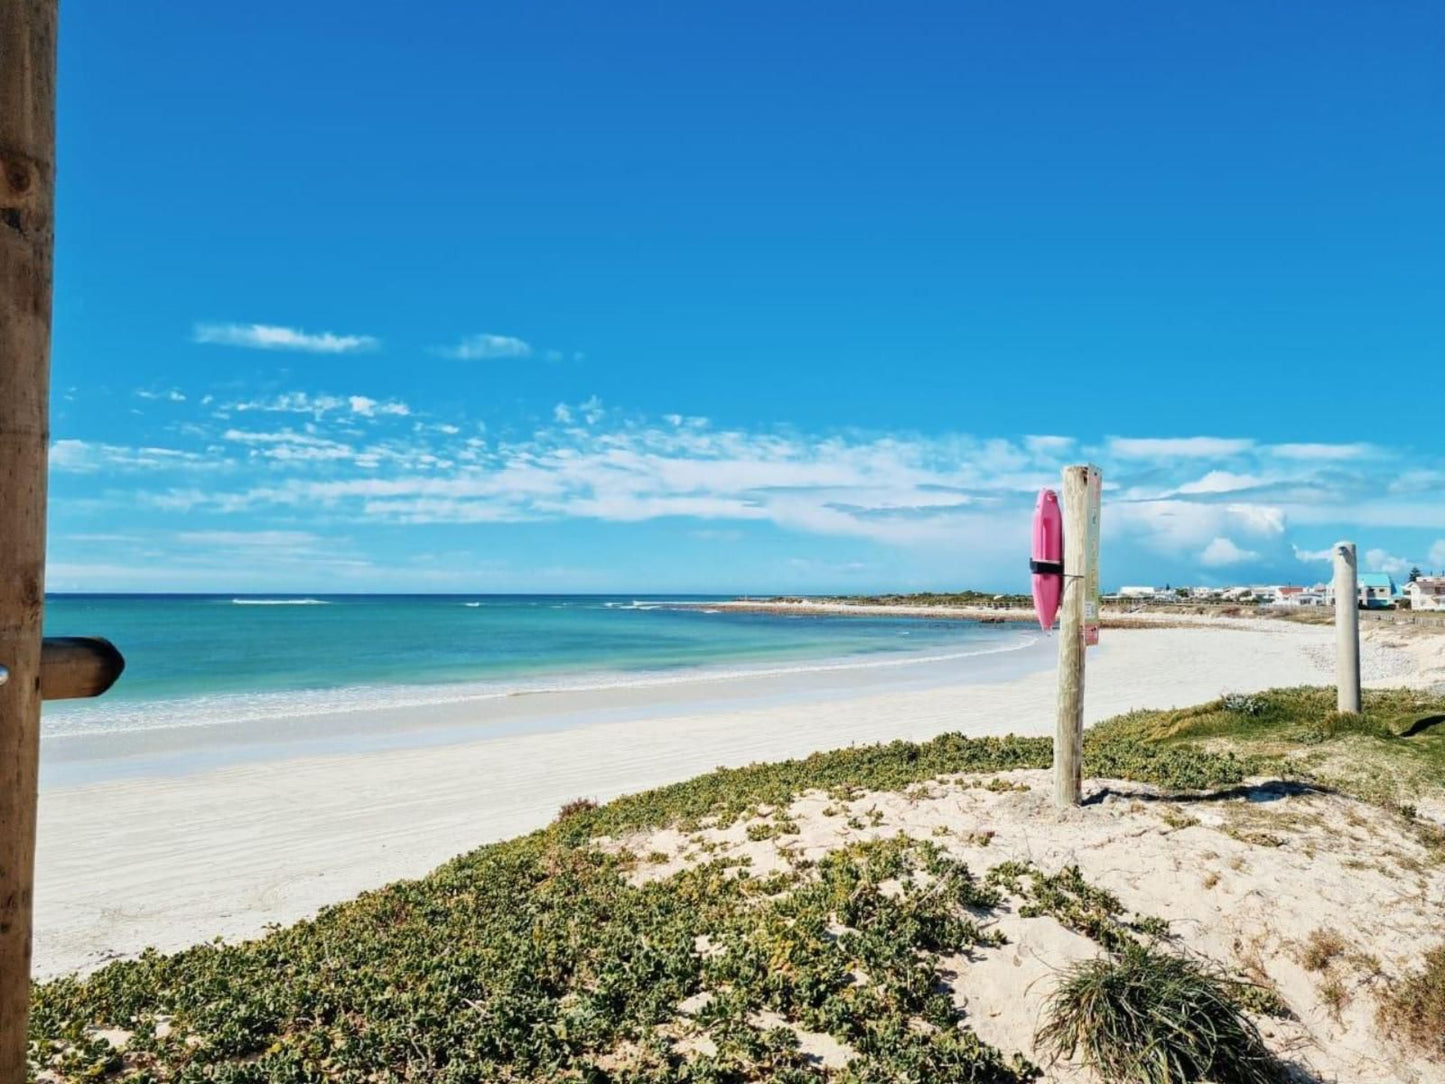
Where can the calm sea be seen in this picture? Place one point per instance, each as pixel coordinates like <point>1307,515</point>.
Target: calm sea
<point>194,660</point>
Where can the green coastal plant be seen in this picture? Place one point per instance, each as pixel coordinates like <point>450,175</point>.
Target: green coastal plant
<point>537,959</point>
<point>1144,1015</point>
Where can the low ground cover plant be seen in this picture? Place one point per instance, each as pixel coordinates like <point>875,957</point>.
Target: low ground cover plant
<point>537,959</point>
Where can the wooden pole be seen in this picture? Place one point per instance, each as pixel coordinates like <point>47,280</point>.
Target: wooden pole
<point>1069,735</point>
<point>77,666</point>
<point>1347,629</point>
<point>27,202</point>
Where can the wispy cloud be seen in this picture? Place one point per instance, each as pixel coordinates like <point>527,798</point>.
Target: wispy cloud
<point>85,457</point>
<point>1048,445</point>
<point>1195,503</point>
<point>300,402</point>
<point>1222,481</point>
<point>1321,451</point>
<point>1177,447</point>
<point>275,337</point>
<point>486,346</point>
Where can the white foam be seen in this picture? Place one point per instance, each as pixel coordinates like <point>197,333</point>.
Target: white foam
<point>279,602</point>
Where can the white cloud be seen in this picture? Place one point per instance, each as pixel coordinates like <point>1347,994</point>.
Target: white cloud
<point>288,446</point>
<point>1327,452</point>
<point>1048,445</point>
<point>481,347</point>
<point>1177,447</point>
<point>1259,519</point>
<point>300,402</point>
<point>1222,481</point>
<point>86,457</point>
<point>273,337</point>
<point>1223,551</point>
<point>248,539</point>
<point>1378,560</point>
<point>1312,556</point>
<point>370,408</point>
<point>1166,504</point>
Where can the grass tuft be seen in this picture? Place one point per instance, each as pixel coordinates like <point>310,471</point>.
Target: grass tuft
<point>1320,948</point>
<point>1415,1008</point>
<point>1148,1016</point>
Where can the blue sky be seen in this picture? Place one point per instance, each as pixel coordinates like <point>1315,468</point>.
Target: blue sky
<point>742,297</point>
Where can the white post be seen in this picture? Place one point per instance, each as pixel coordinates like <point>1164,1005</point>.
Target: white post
<point>1347,629</point>
<point>1069,733</point>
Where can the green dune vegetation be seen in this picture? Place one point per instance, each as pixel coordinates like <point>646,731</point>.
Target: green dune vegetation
<point>546,958</point>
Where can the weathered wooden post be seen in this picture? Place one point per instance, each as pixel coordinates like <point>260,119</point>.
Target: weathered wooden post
<point>1347,629</point>
<point>27,201</point>
<point>1081,495</point>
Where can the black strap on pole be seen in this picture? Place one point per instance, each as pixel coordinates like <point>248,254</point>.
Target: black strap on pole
<point>1047,568</point>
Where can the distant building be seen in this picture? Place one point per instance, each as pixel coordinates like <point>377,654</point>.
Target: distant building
<point>1427,593</point>
<point>1377,591</point>
<point>1140,592</point>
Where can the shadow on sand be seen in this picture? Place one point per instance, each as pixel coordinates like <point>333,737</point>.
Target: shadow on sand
<point>1272,790</point>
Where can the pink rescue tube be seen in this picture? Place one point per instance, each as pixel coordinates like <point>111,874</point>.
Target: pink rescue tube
<point>1047,558</point>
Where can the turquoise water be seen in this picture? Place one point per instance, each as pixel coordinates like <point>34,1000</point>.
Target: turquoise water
<point>194,660</point>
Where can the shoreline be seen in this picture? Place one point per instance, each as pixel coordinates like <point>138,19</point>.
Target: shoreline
<point>172,861</point>
<point>455,714</point>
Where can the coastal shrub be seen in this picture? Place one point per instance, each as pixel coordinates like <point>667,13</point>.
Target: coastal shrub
<point>1172,767</point>
<point>1068,898</point>
<point>1415,1007</point>
<point>1241,704</point>
<point>1391,754</point>
<point>575,807</point>
<point>723,796</point>
<point>534,960</point>
<point>1148,1016</point>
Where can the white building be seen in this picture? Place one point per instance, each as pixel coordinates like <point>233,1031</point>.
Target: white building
<point>1140,592</point>
<point>1427,593</point>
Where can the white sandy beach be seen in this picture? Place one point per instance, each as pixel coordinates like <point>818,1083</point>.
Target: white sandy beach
<point>170,861</point>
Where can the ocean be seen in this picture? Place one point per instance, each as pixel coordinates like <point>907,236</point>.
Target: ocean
<point>221,660</point>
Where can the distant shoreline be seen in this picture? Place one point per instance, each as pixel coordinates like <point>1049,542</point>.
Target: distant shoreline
<point>858,607</point>
<point>849,607</point>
